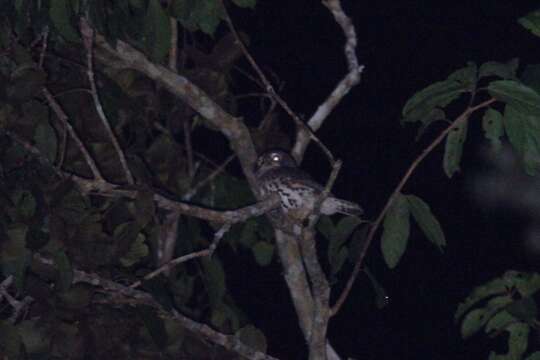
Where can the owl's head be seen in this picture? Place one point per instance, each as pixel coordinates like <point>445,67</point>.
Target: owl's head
<point>274,159</point>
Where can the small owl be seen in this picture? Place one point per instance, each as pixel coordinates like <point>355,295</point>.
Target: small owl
<point>277,171</point>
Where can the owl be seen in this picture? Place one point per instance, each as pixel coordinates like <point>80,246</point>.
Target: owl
<point>277,172</point>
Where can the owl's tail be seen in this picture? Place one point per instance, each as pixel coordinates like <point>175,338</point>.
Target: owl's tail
<point>334,205</point>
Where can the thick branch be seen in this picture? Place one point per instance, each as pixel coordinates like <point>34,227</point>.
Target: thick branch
<point>124,55</point>
<point>227,216</point>
<point>344,86</point>
<point>132,296</point>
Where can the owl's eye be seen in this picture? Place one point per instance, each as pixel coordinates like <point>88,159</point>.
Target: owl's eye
<point>275,157</point>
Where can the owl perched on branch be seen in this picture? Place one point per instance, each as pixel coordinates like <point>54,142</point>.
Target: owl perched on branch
<point>277,172</point>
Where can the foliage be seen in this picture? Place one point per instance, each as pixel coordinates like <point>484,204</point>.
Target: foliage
<point>44,212</point>
<point>503,305</point>
<point>51,227</point>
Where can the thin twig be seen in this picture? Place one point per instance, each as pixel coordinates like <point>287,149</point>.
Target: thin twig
<point>44,42</point>
<point>358,266</point>
<point>189,149</point>
<point>171,264</point>
<point>173,48</point>
<point>194,190</point>
<point>88,39</point>
<point>57,109</point>
<point>270,89</point>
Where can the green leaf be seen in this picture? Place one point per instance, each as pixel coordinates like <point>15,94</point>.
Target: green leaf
<point>36,337</point>
<point>396,229</point>
<point>499,322</point>
<point>245,3</point>
<point>26,83</point>
<point>524,309</point>
<point>215,280</point>
<point>154,324</point>
<point>25,203</point>
<point>183,288</point>
<point>137,3</point>
<point>65,272</point>
<point>517,342</point>
<point>137,251</point>
<point>157,31</point>
<point>10,341</point>
<point>505,71</point>
<point>453,149</point>
<point>531,22</point>
<point>338,259</point>
<point>466,76</point>
<point>517,95</point>
<point>248,234</point>
<point>492,123</point>
<point>252,337</point>
<point>531,77</point>
<point>344,228</point>
<point>208,15</point>
<point>381,297</point>
<point>473,322</point>
<point>46,140</point>
<point>427,221</point>
<point>14,256</point>
<point>436,95</point>
<point>224,317</point>
<point>337,253</point>
<point>523,130</point>
<point>326,227</point>
<point>526,283</point>
<point>144,208</point>
<point>534,356</point>
<point>263,253</point>
<point>477,318</point>
<point>60,13</point>
<point>77,297</point>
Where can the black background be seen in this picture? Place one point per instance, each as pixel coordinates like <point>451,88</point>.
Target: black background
<point>405,46</point>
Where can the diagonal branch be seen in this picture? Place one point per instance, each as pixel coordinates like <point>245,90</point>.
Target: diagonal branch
<point>61,114</point>
<point>88,40</point>
<point>301,126</point>
<point>345,85</point>
<point>123,55</point>
<point>358,266</point>
<point>119,293</point>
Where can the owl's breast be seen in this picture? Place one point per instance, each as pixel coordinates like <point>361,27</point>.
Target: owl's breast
<point>296,193</point>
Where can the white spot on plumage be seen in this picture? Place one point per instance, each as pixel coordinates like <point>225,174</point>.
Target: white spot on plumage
<point>277,172</point>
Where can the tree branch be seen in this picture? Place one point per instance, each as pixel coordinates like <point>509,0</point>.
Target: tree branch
<point>88,40</point>
<point>60,113</point>
<point>358,266</point>
<point>119,293</point>
<point>124,55</point>
<point>345,85</point>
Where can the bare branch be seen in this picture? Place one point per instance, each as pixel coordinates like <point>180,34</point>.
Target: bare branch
<point>171,264</point>
<point>345,85</point>
<point>173,48</point>
<point>194,190</point>
<point>228,216</point>
<point>358,266</point>
<point>60,113</point>
<point>18,305</point>
<point>88,40</point>
<point>301,127</point>
<point>124,55</point>
<point>119,293</point>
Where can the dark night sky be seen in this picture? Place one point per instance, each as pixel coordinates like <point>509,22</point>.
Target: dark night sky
<point>405,46</point>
